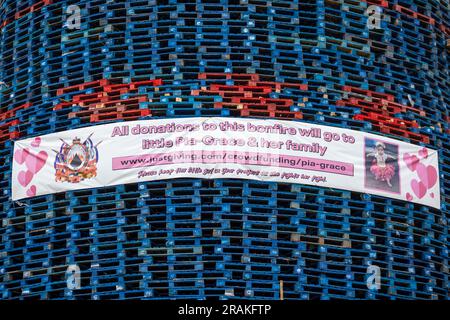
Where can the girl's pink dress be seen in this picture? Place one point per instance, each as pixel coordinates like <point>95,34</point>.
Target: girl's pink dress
<point>382,173</point>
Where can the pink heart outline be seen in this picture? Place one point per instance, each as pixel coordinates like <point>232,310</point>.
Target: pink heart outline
<point>32,191</point>
<point>25,177</point>
<point>36,142</point>
<point>423,153</point>
<point>427,175</point>
<point>419,188</point>
<point>21,155</point>
<point>411,161</point>
<point>35,163</point>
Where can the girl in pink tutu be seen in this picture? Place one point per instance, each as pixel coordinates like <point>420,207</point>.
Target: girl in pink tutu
<point>380,169</point>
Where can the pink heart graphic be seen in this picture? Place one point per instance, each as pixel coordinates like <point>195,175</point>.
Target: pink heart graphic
<point>423,153</point>
<point>409,197</point>
<point>32,191</point>
<point>427,175</point>
<point>35,163</point>
<point>25,178</point>
<point>21,155</point>
<point>411,161</point>
<point>432,195</point>
<point>419,188</point>
<point>36,142</point>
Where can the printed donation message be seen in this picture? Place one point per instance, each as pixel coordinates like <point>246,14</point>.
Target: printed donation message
<point>214,148</point>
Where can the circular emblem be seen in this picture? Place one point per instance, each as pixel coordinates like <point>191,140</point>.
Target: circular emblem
<point>77,156</point>
<point>76,161</point>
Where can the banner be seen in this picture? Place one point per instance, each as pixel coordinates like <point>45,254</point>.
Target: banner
<point>210,148</point>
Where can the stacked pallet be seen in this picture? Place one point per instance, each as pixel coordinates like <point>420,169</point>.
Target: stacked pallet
<point>313,61</point>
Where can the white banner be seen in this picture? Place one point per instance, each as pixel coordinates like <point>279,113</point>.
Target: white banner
<point>269,150</point>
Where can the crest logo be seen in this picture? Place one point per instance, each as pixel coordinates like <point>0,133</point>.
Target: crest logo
<point>76,161</point>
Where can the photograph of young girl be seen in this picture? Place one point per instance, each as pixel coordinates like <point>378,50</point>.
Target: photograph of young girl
<point>381,164</point>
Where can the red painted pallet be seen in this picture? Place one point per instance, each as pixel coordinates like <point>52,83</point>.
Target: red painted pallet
<point>367,106</point>
<point>368,93</point>
<point>280,85</point>
<point>413,14</point>
<point>91,111</point>
<point>106,95</point>
<point>404,108</point>
<point>251,80</point>
<point>81,98</point>
<point>104,85</point>
<point>133,86</point>
<point>241,106</point>
<point>381,111</point>
<point>262,110</point>
<point>384,106</point>
<point>251,98</point>
<point>6,133</point>
<point>403,10</point>
<point>5,128</point>
<point>252,89</point>
<point>11,113</point>
<point>380,3</point>
<point>153,83</point>
<point>263,100</point>
<point>414,137</point>
<point>112,103</point>
<point>34,8</point>
<point>9,136</point>
<point>271,114</point>
<point>388,121</point>
<point>129,115</point>
<point>445,29</point>
<point>100,102</point>
<point>63,105</point>
<point>82,86</point>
